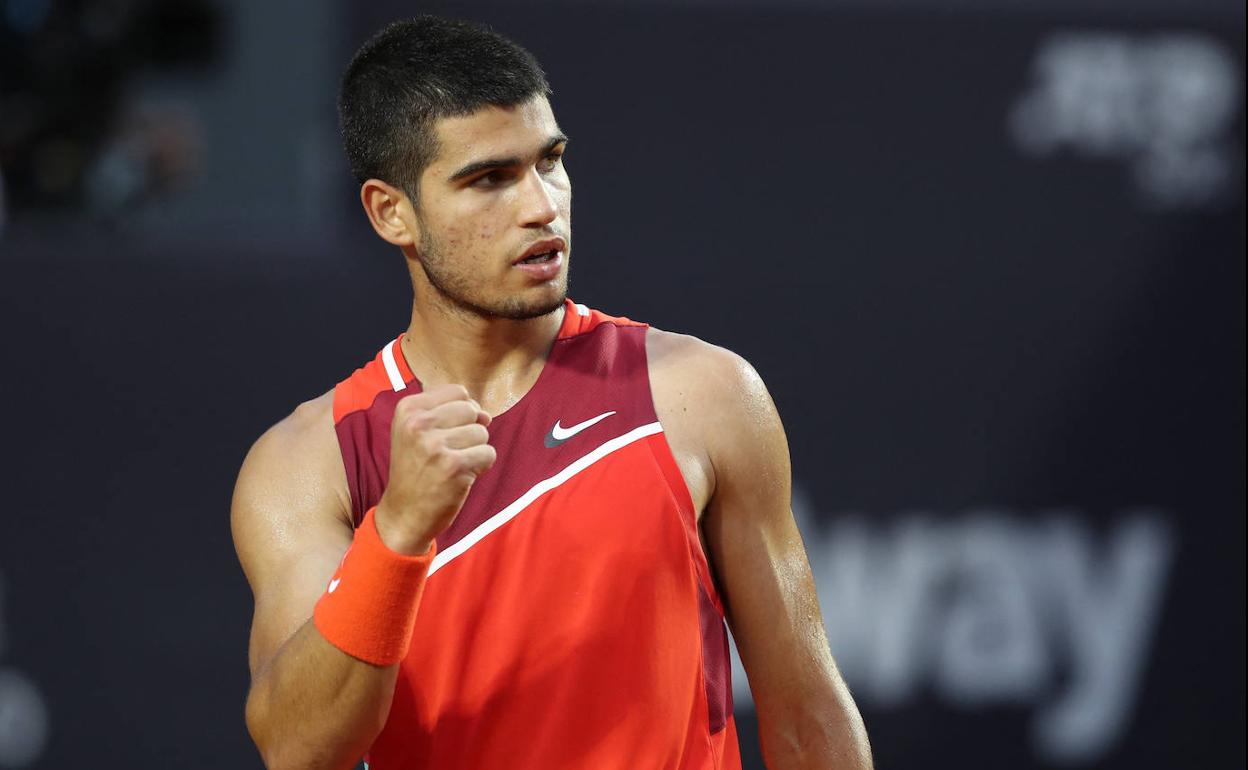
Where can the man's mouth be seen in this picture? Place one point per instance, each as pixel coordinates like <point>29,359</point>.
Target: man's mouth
<point>544,256</point>
<point>543,251</point>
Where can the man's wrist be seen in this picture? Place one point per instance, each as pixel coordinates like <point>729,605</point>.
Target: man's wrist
<point>369,608</point>
<point>395,538</point>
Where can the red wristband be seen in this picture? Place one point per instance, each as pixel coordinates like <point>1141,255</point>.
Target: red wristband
<point>369,609</point>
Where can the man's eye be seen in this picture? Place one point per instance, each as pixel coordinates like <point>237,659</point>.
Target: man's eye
<point>491,179</point>
<point>550,161</point>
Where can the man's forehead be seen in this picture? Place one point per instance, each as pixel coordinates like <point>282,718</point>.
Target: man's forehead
<point>495,130</point>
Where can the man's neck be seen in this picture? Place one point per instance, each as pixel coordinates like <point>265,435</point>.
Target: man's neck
<point>496,359</point>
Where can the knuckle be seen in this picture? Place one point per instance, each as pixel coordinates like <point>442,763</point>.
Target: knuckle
<point>484,457</point>
<point>412,424</point>
<point>432,445</point>
<point>465,413</point>
<point>457,464</point>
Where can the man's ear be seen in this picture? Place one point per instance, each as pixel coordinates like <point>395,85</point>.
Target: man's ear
<point>390,212</point>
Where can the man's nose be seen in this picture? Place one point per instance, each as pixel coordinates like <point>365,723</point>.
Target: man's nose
<point>538,207</point>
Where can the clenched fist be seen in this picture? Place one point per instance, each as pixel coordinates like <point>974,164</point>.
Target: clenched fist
<point>437,449</point>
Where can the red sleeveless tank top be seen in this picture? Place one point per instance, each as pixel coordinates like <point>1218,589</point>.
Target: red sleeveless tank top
<point>569,619</point>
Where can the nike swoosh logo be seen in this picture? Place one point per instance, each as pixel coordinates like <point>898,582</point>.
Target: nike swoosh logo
<point>560,434</point>
<point>334,584</point>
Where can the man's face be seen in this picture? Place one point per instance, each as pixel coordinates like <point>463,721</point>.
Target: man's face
<point>495,191</point>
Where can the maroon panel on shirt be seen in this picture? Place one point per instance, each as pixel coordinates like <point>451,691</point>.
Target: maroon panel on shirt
<point>603,370</point>
<point>716,662</point>
<point>585,376</point>
<point>364,438</point>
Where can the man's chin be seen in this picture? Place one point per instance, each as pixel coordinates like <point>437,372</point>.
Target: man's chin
<point>522,307</point>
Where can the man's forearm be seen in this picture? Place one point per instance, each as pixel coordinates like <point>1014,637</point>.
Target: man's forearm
<point>314,706</point>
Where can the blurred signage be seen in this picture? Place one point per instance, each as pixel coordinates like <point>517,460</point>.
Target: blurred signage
<point>995,608</point>
<point>1163,104</point>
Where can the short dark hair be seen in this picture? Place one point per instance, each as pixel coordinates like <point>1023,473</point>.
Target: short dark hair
<point>414,72</point>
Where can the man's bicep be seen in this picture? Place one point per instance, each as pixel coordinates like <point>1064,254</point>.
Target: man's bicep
<point>290,531</point>
<point>760,560</point>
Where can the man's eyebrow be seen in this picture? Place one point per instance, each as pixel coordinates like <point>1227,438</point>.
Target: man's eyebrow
<point>492,163</point>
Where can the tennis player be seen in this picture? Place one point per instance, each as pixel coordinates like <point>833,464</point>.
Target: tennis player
<point>512,538</point>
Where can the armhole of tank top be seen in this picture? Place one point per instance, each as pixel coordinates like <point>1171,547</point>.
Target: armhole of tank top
<point>715,655</point>
<point>352,492</point>
<point>665,458</point>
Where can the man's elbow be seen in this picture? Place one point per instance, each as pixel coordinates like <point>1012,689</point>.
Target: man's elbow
<point>827,734</point>
<point>287,749</point>
<point>272,753</point>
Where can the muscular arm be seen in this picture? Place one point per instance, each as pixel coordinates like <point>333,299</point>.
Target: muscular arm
<point>310,705</point>
<point>728,425</point>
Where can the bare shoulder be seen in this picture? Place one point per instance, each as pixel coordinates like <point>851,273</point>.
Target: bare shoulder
<point>699,372</point>
<point>292,473</point>
<point>706,398</point>
<point>303,443</point>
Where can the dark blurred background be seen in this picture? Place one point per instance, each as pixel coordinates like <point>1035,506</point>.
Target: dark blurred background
<point>989,257</point>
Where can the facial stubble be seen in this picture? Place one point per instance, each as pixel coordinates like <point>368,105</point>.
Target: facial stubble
<point>458,288</point>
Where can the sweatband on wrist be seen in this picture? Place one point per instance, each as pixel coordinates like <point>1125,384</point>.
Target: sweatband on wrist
<point>369,608</point>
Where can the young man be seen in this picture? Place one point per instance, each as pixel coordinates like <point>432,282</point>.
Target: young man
<point>512,539</point>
